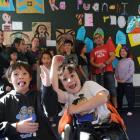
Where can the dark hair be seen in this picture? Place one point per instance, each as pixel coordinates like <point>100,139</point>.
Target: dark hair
<point>126,49</point>
<point>44,52</point>
<point>67,41</point>
<point>16,41</point>
<point>18,65</point>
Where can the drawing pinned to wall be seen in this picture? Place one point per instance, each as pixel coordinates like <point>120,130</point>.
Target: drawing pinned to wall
<point>134,39</point>
<point>61,35</point>
<point>30,6</point>
<point>88,19</point>
<point>10,36</point>
<point>53,5</point>
<point>7,26</point>
<point>42,30</point>
<point>6,5</point>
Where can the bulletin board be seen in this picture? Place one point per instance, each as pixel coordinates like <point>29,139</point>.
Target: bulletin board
<point>77,18</point>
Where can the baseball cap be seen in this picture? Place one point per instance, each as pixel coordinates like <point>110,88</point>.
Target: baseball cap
<point>99,31</point>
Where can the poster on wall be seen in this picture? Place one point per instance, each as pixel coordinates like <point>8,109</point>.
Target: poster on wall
<point>6,5</point>
<point>61,35</point>
<point>42,30</point>
<point>30,6</point>
<point>10,36</point>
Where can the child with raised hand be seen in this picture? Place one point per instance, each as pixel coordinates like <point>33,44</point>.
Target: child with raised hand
<point>22,111</point>
<point>87,101</point>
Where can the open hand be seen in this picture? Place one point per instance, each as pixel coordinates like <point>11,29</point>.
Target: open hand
<point>27,126</point>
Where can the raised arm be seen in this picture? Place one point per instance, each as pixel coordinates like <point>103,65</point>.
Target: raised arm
<point>56,62</point>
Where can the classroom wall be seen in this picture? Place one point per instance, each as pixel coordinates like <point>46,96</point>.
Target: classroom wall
<point>66,19</point>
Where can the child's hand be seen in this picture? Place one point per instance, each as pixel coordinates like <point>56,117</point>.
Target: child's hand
<point>58,60</point>
<point>45,76</point>
<point>27,126</point>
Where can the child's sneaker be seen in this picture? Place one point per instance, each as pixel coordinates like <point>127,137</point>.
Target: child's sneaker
<point>129,113</point>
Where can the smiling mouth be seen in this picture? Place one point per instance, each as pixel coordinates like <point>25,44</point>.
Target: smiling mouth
<point>72,86</point>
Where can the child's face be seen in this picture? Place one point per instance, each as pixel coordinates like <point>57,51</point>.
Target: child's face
<point>71,82</point>
<point>1,37</point>
<point>123,53</point>
<point>35,43</point>
<point>46,60</point>
<point>20,78</point>
<point>13,56</point>
<point>67,48</point>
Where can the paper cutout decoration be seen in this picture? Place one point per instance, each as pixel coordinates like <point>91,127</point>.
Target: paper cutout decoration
<point>87,6</point>
<point>30,6</point>
<point>89,44</point>
<point>138,58</point>
<point>124,13</point>
<point>95,7</point>
<point>16,25</point>
<point>133,24</point>
<point>113,20</point>
<point>89,19</point>
<point>80,18</point>
<point>81,33</point>
<point>105,18</point>
<point>134,39</point>
<point>79,2</point>
<point>62,5</point>
<point>6,5</point>
<point>7,26</point>
<point>120,37</point>
<point>117,50</point>
<point>121,21</point>
<point>112,7</point>
<point>104,7</point>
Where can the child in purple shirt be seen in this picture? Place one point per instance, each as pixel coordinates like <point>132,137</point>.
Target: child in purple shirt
<point>124,75</point>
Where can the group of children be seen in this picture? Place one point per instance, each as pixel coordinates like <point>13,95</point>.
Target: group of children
<point>25,114</point>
